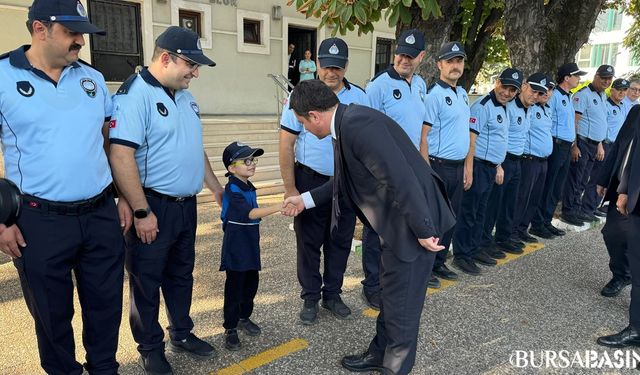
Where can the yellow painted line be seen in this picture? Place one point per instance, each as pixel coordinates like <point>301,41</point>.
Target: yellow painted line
<point>444,284</point>
<point>264,358</point>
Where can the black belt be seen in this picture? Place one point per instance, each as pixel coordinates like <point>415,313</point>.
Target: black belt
<point>153,193</point>
<point>487,162</point>
<point>513,157</point>
<point>68,208</point>
<point>606,142</point>
<point>310,170</point>
<point>533,157</point>
<point>446,161</point>
<point>561,142</point>
<point>588,140</point>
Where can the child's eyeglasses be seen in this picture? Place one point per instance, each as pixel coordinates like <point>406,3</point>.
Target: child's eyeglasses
<point>247,161</point>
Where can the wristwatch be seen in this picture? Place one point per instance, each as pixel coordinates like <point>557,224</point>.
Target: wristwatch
<point>142,213</point>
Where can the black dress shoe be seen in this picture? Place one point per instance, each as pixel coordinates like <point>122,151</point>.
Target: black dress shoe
<point>337,308</point>
<point>249,327</point>
<point>231,340</point>
<point>518,243</point>
<point>527,238</point>
<point>627,337</point>
<point>484,259</point>
<point>444,272</point>
<point>542,232</point>
<point>614,287</point>
<point>509,247</point>
<point>433,283</point>
<point>467,266</point>
<point>494,252</point>
<point>309,312</point>
<point>372,299</point>
<point>571,219</point>
<point>362,362</point>
<point>193,346</point>
<point>155,363</point>
<point>587,217</point>
<point>553,230</point>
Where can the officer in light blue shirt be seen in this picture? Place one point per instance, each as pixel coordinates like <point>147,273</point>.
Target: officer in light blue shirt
<point>537,148</point>
<point>53,112</point>
<point>399,93</point>
<point>591,118</point>
<point>563,135</point>
<point>159,165</point>
<point>615,119</point>
<point>488,126</point>
<point>502,206</point>
<point>306,162</point>
<point>445,142</point>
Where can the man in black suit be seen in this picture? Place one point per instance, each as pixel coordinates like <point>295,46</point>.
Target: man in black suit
<point>393,189</point>
<point>621,174</point>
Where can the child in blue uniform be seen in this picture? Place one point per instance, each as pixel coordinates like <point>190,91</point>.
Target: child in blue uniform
<point>241,244</point>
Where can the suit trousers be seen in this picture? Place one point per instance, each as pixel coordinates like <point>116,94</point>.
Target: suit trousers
<point>615,234</point>
<point>453,177</point>
<point>469,226</point>
<point>313,231</point>
<point>557,168</point>
<point>166,263</point>
<point>403,291</point>
<point>579,173</point>
<point>534,173</point>
<point>240,289</point>
<point>502,204</point>
<point>90,245</point>
<point>633,254</point>
<point>371,252</point>
<point>591,199</point>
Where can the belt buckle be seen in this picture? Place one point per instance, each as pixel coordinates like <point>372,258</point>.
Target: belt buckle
<point>180,199</point>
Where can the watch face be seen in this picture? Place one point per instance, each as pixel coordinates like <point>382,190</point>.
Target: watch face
<point>140,214</point>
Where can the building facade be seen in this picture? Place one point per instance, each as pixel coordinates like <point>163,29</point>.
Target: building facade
<point>248,40</point>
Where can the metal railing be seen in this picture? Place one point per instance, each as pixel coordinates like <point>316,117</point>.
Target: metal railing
<point>283,87</point>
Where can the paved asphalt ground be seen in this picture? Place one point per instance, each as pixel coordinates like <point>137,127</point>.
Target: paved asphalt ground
<point>547,299</point>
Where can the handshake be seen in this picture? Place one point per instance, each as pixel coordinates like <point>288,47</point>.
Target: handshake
<point>292,206</point>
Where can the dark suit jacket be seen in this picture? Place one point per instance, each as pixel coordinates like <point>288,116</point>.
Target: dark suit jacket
<point>609,172</point>
<point>387,181</point>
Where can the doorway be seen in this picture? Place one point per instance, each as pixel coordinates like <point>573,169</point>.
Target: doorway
<point>303,39</point>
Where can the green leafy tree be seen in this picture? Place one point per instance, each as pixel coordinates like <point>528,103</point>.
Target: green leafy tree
<point>632,40</point>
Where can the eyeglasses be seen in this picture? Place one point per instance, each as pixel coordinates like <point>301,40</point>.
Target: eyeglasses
<point>247,161</point>
<point>634,89</point>
<point>190,64</point>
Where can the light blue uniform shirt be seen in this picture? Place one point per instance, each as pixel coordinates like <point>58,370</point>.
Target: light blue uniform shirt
<point>615,119</point>
<point>315,153</point>
<point>626,106</point>
<point>563,116</point>
<point>404,102</point>
<point>52,132</point>
<point>447,112</point>
<point>166,132</point>
<point>590,104</point>
<point>539,142</point>
<point>519,122</point>
<point>490,122</point>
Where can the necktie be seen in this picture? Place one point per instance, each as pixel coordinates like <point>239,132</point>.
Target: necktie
<point>337,169</point>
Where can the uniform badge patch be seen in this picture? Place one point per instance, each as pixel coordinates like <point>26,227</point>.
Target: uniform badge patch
<point>595,102</point>
<point>25,88</point>
<point>473,120</point>
<point>195,108</point>
<point>538,115</point>
<point>519,120</point>
<point>500,119</point>
<point>564,102</point>
<point>448,100</point>
<point>89,86</point>
<point>80,9</point>
<point>162,110</point>
<point>614,112</point>
<point>112,124</point>
<point>410,39</point>
<point>397,94</point>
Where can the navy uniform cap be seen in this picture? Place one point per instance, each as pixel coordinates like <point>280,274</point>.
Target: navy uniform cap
<point>550,83</point>
<point>451,50</point>
<point>570,69</point>
<point>410,43</point>
<point>238,150</point>
<point>69,13</point>
<point>605,71</point>
<point>184,42</point>
<point>333,52</point>
<point>620,84</point>
<point>538,82</point>
<point>511,77</point>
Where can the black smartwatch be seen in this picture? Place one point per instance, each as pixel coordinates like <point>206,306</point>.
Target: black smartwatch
<point>142,213</point>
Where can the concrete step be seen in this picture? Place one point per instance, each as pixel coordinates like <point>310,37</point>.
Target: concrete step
<point>215,149</point>
<point>249,136</point>
<point>268,159</point>
<point>268,187</point>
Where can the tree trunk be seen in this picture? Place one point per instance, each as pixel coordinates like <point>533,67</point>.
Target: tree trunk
<point>542,37</point>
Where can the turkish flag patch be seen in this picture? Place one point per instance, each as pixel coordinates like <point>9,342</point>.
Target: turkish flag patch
<point>473,120</point>
<point>576,99</point>
<point>112,124</point>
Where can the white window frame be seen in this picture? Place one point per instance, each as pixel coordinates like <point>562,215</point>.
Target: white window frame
<point>264,48</point>
<point>203,9</point>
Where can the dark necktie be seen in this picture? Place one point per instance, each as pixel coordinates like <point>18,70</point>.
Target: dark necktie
<point>337,169</point>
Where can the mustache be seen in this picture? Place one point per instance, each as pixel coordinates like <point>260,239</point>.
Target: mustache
<point>456,71</point>
<point>74,47</point>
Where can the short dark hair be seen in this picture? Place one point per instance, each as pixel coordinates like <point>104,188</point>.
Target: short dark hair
<point>47,24</point>
<point>312,95</point>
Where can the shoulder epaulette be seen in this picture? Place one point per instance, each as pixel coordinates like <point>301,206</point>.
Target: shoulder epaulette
<point>354,85</point>
<point>484,100</point>
<point>126,85</point>
<point>5,55</point>
<point>80,61</point>
<point>378,75</point>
